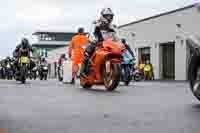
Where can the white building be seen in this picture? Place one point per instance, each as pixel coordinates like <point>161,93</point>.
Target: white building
<point>51,44</point>
<point>161,39</point>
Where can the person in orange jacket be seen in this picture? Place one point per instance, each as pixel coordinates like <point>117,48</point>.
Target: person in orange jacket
<point>76,51</point>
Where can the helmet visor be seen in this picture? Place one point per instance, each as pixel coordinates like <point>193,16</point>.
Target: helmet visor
<point>109,17</point>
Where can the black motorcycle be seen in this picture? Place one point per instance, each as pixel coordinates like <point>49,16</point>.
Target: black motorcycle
<point>34,73</point>
<point>9,71</point>
<point>43,71</point>
<point>23,65</point>
<point>3,72</point>
<point>194,66</point>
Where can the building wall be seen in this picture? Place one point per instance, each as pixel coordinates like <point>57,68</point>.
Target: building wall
<point>163,29</point>
<point>55,54</point>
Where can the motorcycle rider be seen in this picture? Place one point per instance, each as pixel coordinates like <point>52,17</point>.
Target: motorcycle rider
<point>7,60</point>
<point>128,47</point>
<point>151,71</point>
<point>42,61</point>
<point>77,47</point>
<point>8,66</point>
<point>1,69</point>
<point>24,45</point>
<point>61,59</point>
<point>103,24</point>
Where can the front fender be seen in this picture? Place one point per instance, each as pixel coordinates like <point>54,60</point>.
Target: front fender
<point>193,41</point>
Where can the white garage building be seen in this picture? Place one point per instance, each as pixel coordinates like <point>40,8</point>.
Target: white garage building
<point>161,39</point>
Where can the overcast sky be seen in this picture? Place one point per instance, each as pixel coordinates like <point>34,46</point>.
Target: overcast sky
<point>22,17</point>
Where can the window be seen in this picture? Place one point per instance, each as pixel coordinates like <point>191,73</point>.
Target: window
<point>46,53</point>
<point>144,54</point>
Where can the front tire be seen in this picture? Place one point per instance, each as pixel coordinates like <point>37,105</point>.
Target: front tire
<point>86,86</point>
<point>127,75</point>
<point>45,77</point>
<point>193,76</point>
<point>34,77</point>
<point>23,74</point>
<point>60,77</point>
<point>111,78</point>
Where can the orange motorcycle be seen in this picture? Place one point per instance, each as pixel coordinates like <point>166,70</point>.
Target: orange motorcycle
<point>105,64</point>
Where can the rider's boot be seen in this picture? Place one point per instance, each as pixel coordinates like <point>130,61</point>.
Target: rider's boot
<point>85,65</point>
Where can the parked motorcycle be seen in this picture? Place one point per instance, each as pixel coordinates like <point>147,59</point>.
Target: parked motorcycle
<point>127,68</point>
<point>138,75</point>
<point>43,71</point>
<point>105,63</point>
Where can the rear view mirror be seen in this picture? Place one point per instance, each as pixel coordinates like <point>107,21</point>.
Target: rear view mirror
<point>88,35</point>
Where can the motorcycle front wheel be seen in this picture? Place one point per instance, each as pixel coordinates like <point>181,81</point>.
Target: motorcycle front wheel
<point>23,74</point>
<point>34,76</point>
<point>111,75</point>
<point>60,77</point>
<point>194,76</point>
<point>45,76</point>
<point>127,75</point>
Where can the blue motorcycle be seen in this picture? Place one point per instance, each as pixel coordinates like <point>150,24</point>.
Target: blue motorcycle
<point>127,68</point>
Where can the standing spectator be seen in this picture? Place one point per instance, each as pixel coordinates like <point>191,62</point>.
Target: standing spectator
<point>76,51</point>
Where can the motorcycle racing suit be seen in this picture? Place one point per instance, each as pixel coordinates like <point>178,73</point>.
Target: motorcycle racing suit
<point>26,48</point>
<point>101,26</point>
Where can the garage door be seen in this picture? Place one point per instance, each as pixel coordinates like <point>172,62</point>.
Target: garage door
<point>168,61</point>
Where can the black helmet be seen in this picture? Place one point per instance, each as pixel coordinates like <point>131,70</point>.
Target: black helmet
<point>43,59</point>
<point>123,41</point>
<point>25,43</point>
<point>81,30</point>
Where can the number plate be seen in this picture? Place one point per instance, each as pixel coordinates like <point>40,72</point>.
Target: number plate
<point>24,60</point>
